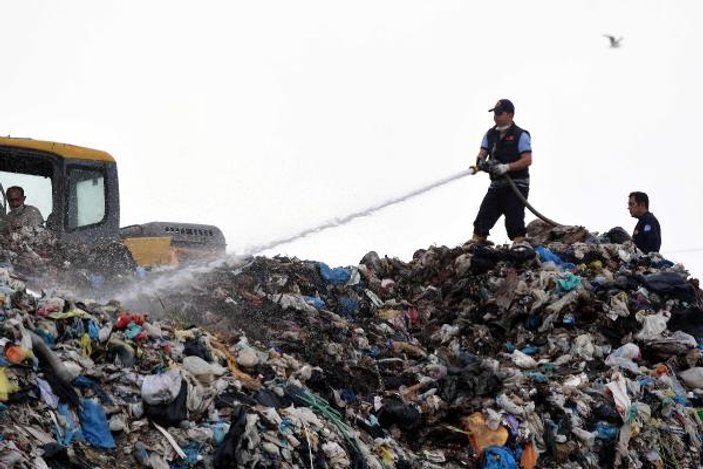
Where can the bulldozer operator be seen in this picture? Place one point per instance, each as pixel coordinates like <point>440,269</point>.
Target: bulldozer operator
<point>20,215</point>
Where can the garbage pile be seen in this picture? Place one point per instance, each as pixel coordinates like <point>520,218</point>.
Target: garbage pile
<point>35,251</point>
<point>572,350</point>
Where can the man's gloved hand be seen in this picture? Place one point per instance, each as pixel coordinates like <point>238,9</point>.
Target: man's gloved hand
<point>476,167</point>
<point>500,169</point>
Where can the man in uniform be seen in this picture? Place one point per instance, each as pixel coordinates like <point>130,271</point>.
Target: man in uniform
<point>510,149</point>
<point>647,235</point>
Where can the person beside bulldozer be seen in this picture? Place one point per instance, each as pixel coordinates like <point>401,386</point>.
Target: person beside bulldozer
<point>20,215</point>
<point>506,149</point>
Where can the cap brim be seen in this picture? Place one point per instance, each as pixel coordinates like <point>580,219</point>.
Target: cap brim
<point>491,110</point>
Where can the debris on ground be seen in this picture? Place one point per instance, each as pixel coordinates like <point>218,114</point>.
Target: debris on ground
<point>571,350</point>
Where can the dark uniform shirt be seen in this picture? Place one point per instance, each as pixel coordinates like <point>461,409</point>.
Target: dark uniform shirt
<point>647,235</point>
<point>507,149</point>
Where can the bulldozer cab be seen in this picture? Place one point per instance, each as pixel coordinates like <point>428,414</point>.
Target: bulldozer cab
<point>77,193</point>
<point>74,188</point>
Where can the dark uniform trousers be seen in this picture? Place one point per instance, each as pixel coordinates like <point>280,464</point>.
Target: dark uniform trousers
<point>502,201</point>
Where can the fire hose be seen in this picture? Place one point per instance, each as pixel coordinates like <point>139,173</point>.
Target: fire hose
<point>486,166</point>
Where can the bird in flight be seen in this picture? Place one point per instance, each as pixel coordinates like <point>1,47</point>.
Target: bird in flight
<point>614,41</point>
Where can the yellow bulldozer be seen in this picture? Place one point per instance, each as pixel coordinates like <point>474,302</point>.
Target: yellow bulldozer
<point>76,190</point>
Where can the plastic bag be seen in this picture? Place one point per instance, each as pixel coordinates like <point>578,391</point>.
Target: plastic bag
<point>314,301</point>
<point>605,431</point>
<point>652,325</point>
<point>583,347</point>
<point>336,276</point>
<point>47,395</point>
<point>396,412</point>
<point>94,424</point>
<point>623,357</point>
<point>162,388</point>
<point>170,415</point>
<point>480,436</point>
<point>70,430</point>
<point>618,389</point>
<point>548,256</point>
<point>16,354</point>
<point>693,377</point>
<point>523,360</point>
<point>7,387</point>
<point>226,452</point>
<point>569,283</point>
<point>199,368</point>
<point>497,457</point>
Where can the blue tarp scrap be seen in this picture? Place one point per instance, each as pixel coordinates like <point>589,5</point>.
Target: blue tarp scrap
<point>334,276</point>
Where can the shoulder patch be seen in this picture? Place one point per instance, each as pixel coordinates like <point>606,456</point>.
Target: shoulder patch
<point>647,228</point>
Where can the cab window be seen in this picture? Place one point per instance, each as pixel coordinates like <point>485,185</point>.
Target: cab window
<point>86,197</point>
<point>33,175</point>
<point>37,189</point>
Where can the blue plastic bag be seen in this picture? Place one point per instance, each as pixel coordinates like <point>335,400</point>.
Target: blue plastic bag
<point>132,330</point>
<point>94,424</point>
<point>498,457</point>
<point>606,432</point>
<point>569,283</point>
<point>93,329</point>
<point>337,276</point>
<point>70,431</point>
<point>85,382</point>
<point>314,301</point>
<point>548,256</point>
<point>348,306</point>
<point>46,336</point>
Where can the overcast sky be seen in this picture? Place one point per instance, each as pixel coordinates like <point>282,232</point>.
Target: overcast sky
<point>268,118</point>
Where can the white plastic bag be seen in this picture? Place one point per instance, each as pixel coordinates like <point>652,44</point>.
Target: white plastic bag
<point>624,356</point>
<point>523,360</point>
<point>162,388</point>
<point>693,377</point>
<point>652,325</point>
